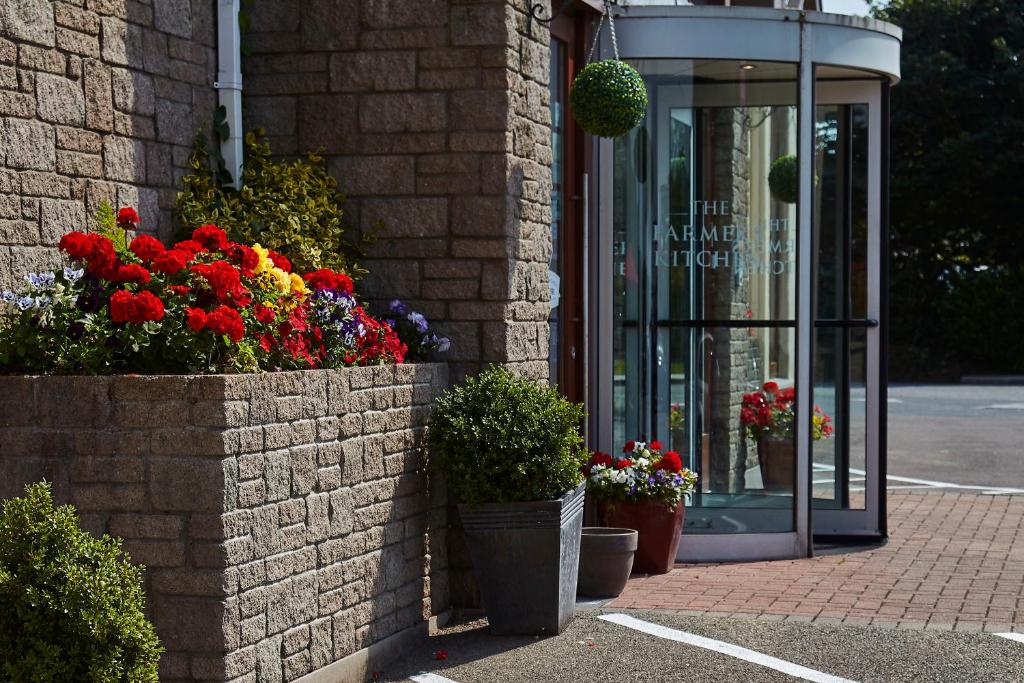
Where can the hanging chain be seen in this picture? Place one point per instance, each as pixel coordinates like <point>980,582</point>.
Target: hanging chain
<point>597,34</point>
<point>611,26</point>
<point>597,37</point>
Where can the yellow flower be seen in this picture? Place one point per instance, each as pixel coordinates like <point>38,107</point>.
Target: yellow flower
<point>265,263</point>
<point>298,284</point>
<point>282,280</point>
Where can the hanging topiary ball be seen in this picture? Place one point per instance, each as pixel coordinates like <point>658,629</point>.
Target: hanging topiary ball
<point>608,98</point>
<point>782,179</point>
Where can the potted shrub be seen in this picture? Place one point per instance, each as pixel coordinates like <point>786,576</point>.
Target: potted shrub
<point>643,489</point>
<point>511,453</point>
<point>768,417</point>
<point>71,605</point>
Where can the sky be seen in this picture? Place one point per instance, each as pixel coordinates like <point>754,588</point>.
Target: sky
<point>856,7</point>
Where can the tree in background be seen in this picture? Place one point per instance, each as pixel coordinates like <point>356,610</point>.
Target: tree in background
<point>957,205</point>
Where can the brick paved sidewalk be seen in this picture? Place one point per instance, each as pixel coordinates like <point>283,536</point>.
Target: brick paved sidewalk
<point>954,561</point>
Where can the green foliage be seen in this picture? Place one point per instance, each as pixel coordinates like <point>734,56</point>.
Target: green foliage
<point>71,606</point>
<point>291,207</point>
<point>783,179</point>
<point>991,340</point>
<point>501,438</point>
<point>957,161</point>
<point>608,98</point>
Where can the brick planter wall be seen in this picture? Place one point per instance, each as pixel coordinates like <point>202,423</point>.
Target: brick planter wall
<point>285,518</point>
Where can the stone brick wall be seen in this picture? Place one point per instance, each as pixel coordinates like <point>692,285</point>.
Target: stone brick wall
<point>434,117</point>
<point>99,99</point>
<point>285,518</point>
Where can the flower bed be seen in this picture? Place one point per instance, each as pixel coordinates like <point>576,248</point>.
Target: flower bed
<point>204,305</point>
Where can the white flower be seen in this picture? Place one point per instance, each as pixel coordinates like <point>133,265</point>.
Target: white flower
<point>642,462</point>
<point>639,446</point>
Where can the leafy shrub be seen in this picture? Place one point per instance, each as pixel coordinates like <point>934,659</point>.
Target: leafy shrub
<point>71,606</point>
<point>608,98</point>
<point>501,438</point>
<point>990,341</point>
<point>294,208</point>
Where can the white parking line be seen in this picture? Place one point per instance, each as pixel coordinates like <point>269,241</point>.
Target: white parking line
<point>427,677</point>
<point>1019,637</point>
<point>984,490</point>
<point>722,647</point>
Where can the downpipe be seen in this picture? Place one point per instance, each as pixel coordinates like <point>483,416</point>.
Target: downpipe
<point>229,85</point>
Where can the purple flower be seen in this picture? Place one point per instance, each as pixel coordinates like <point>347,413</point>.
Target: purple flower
<point>418,320</point>
<point>398,307</point>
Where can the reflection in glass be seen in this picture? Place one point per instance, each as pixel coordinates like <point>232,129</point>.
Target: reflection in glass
<point>704,274</point>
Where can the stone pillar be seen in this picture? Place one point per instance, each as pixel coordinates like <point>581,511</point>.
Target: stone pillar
<point>434,118</point>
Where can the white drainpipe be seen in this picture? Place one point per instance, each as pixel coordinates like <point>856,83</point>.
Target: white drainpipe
<point>229,84</point>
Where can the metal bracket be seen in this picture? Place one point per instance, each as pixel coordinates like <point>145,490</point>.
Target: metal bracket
<point>535,14</point>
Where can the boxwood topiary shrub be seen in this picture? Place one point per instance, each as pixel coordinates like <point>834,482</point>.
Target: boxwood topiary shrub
<point>501,438</point>
<point>608,98</point>
<point>782,179</point>
<point>71,605</point>
<point>291,207</point>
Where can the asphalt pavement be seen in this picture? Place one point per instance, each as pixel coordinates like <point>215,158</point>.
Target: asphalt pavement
<point>593,649</point>
<point>957,433</point>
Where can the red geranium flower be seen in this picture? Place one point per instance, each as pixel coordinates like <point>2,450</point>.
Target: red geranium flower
<point>628,448</point>
<point>441,655</point>
<point>265,314</point>
<point>127,218</point>
<point>223,278</point>
<point>226,320</point>
<point>126,307</point>
<point>623,463</point>
<point>132,272</point>
<point>601,459</point>
<point>195,319</point>
<point>670,462</point>
<point>180,290</point>
<point>76,244</point>
<point>146,247</point>
<point>771,387</point>
<point>280,260</point>
<point>190,246</point>
<point>211,237</point>
<point>655,445</point>
<point>171,261</point>
<point>328,279</point>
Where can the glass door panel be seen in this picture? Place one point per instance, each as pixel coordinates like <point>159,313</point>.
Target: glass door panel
<point>846,486</point>
<point>704,283</point>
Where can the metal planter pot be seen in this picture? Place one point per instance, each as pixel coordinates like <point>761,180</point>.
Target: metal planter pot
<point>606,560</point>
<point>525,558</point>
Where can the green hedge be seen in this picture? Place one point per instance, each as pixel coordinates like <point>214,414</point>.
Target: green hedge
<point>71,605</point>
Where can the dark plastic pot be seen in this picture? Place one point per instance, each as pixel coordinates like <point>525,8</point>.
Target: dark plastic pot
<point>606,560</point>
<point>525,558</point>
<point>658,527</point>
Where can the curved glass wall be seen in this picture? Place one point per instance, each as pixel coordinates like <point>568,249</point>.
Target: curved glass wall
<point>738,246</point>
<point>704,267</point>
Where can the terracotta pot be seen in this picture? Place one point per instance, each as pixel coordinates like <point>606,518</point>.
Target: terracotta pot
<point>658,529</point>
<point>606,560</point>
<point>776,458</point>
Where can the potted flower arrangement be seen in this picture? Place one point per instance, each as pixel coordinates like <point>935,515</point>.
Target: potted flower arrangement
<point>203,305</point>
<point>643,489</point>
<point>511,453</point>
<point>768,417</point>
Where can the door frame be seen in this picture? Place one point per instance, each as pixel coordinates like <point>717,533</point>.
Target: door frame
<point>868,522</point>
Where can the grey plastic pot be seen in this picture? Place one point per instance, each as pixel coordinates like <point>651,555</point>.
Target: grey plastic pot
<point>606,560</point>
<point>525,559</point>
